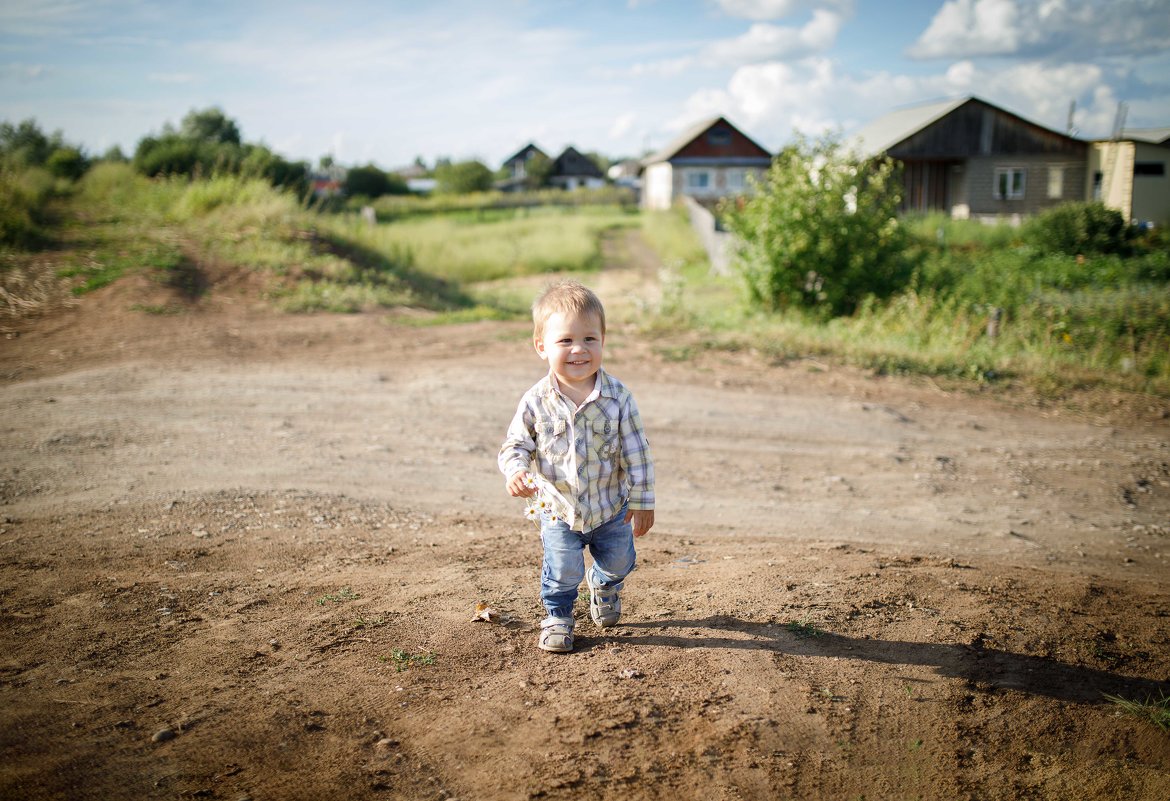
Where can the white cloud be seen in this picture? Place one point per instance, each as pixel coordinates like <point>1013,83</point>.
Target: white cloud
<point>811,96</point>
<point>764,41</point>
<point>762,10</point>
<point>970,27</point>
<point>1074,29</point>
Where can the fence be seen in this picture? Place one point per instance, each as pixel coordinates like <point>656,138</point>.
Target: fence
<point>718,244</point>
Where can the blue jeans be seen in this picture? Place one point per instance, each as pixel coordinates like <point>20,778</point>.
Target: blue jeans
<point>611,545</point>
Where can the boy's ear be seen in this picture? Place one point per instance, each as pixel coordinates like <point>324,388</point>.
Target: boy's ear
<point>538,343</point>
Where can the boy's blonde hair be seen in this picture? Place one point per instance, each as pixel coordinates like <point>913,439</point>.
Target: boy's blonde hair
<point>565,297</point>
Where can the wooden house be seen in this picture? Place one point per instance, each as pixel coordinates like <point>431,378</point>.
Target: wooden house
<point>972,159</point>
<point>572,170</point>
<point>709,161</point>
<point>1129,173</point>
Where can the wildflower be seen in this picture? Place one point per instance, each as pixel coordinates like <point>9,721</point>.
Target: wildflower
<point>531,512</point>
<point>529,481</point>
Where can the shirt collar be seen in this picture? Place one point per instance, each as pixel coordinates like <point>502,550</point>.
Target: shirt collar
<point>603,385</point>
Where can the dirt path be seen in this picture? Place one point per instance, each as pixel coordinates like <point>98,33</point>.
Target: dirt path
<point>241,552</point>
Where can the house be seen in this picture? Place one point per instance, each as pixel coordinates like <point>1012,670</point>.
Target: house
<point>709,161</point>
<point>572,170</point>
<point>327,181</point>
<point>972,159</point>
<point>516,168</point>
<point>1128,173</point>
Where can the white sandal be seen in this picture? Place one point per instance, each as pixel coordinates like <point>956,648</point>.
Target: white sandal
<point>605,605</point>
<point>556,635</point>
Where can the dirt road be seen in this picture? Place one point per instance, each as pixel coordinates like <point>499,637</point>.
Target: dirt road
<point>240,554</point>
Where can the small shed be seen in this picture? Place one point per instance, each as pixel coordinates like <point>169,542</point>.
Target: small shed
<point>1129,173</point>
<point>970,158</point>
<point>709,161</point>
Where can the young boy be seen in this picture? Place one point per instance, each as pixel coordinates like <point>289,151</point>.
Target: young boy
<point>579,429</point>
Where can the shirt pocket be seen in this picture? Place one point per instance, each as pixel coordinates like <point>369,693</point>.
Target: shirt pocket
<point>603,441</point>
<point>552,437</point>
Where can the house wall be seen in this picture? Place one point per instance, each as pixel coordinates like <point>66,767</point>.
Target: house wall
<point>980,179</point>
<point>657,186</point>
<point>1114,161</point>
<point>720,182</point>
<point>1151,193</point>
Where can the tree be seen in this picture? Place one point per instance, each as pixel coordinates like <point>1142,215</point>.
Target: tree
<point>26,145</point>
<point>822,231</point>
<point>463,177</point>
<point>209,125</point>
<point>537,170</point>
<point>371,182</point>
<point>67,162</point>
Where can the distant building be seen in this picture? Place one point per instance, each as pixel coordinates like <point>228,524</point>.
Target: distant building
<point>327,181</point>
<point>572,170</point>
<point>969,158</point>
<point>516,168</point>
<point>709,161</point>
<point>1130,174</point>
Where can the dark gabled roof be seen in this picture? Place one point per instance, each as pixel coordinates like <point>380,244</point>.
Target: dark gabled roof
<point>907,127</point>
<point>691,134</point>
<point>571,162</point>
<point>525,153</point>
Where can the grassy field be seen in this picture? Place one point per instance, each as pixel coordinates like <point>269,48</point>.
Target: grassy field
<point>1061,322</point>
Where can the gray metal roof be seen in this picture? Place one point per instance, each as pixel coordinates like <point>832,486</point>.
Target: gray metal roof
<point>890,129</point>
<point>1156,136</point>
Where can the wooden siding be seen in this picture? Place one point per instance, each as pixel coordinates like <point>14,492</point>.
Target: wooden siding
<point>979,129</point>
<point>980,180</point>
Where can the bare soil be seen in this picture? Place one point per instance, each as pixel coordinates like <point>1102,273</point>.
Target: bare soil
<point>241,552</point>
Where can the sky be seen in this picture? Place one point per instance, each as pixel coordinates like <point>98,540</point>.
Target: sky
<point>389,81</point>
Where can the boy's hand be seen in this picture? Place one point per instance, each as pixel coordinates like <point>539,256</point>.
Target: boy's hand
<point>643,520</point>
<point>517,488</point>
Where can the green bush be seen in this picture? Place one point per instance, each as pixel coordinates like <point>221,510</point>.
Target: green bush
<point>822,231</point>
<point>1079,228</point>
<point>23,195</point>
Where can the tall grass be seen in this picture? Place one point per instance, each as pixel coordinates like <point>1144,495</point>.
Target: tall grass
<point>1063,322</point>
<point>468,251</point>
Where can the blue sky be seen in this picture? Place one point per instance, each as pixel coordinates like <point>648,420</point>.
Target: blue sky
<point>387,81</point>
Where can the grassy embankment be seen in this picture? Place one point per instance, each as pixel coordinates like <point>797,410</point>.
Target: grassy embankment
<point>1066,323</point>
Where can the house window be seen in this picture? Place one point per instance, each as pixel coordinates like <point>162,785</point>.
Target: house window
<point>1098,180</point>
<point>1155,168</point>
<point>1055,182</point>
<point>720,137</point>
<point>698,179</point>
<point>1009,183</point>
<point>735,180</point>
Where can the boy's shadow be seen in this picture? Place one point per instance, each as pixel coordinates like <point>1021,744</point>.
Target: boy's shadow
<point>974,663</point>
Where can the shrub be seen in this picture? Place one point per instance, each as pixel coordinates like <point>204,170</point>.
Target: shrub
<point>1079,228</point>
<point>822,230</point>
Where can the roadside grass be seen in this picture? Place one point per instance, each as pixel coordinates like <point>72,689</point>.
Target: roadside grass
<point>1155,711</point>
<point>1063,324</point>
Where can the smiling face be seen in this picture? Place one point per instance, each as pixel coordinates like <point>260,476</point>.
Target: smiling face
<point>572,345</point>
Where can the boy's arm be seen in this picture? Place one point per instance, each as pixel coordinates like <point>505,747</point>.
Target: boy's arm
<point>636,460</point>
<point>516,453</point>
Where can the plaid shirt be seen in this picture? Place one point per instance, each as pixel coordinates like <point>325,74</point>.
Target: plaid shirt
<point>597,456</point>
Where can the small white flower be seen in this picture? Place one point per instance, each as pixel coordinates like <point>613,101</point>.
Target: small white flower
<point>531,512</point>
<point>529,481</point>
